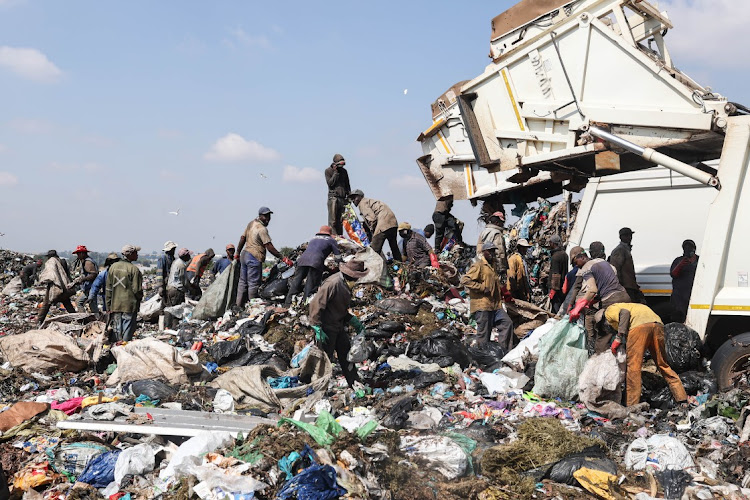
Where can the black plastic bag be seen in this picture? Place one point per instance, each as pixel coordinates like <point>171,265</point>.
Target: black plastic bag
<point>154,389</point>
<point>391,326</point>
<point>228,350</point>
<point>378,334</point>
<point>683,346</point>
<point>699,382</point>
<point>592,457</point>
<point>252,357</point>
<point>250,328</point>
<point>401,306</point>
<point>399,414</point>
<point>442,348</point>
<point>424,379</point>
<point>674,482</point>
<point>277,288</point>
<point>487,356</point>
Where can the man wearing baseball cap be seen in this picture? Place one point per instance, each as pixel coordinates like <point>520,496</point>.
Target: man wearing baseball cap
<point>518,280</point>
<point>380,222</point>
<point>224,262</point>
<point>310,265</point>
<point>124,293</point>
<point>337,179</point>
<point>164,264</point>
<point>493,232</point>
<point>558,269</point>
<point>258,242</point>
<point>622,259</point>
<point>85,270</point>
<point>329,315</point>
<point>486,295</point>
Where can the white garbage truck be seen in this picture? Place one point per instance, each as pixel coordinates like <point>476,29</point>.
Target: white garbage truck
<point>584,94</point>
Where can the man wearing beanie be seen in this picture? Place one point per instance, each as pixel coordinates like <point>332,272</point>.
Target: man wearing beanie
<point>337,179</point>
<point>310,265</point>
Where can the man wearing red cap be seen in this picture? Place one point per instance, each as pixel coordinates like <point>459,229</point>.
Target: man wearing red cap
<point>224,262</point>
<point>86,271</point>
<point>310,264</point>
<point>493,232</point>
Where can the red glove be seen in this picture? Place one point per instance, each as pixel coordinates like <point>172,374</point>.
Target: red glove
<point>581,304</point>
<point>551,294</point>
<point>287,261</point>
<point>507,296</point>
<point>615,344</point>
<point>434,261</point>
<point>237,256</point>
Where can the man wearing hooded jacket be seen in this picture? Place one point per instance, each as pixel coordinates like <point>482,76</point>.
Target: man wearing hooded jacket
<point>337,179</point>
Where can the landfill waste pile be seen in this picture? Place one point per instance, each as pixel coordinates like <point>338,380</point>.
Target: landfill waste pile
<point>537,224</point>
<point>242,404</point>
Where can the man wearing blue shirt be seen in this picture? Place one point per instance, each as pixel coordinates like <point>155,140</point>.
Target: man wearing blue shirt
<point>310,264</point>
<point>98,287</point>
<point>224,262</point>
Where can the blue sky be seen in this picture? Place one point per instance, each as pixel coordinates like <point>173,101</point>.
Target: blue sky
<point>117,113</point>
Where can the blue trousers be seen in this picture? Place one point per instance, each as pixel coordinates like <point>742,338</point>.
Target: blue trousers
<point>123,325</point>
<point>251,273</point>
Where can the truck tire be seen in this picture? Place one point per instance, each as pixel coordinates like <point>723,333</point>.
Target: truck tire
<point>731,361</point>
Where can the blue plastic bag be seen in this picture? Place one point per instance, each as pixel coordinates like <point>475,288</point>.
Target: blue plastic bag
<point>101,470</point>
<point>317,482</point>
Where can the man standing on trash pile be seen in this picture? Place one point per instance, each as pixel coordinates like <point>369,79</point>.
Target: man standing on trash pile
<point>558,269</point>
<point>622,259</point>
<point>569,283</point>
<point>518,281</point>
<point>639,328</point>
<point>329,315</point>
<point>224,262</point>
<point>87,270</point>
<point>124,293</point>
<point>29,273</point>
<point>251,258</point>
<point>176,284</point>
<point>417,251</point>
<point>164,264</point>
<point>446,225</point>
<point>98,288</point>
<point>493,232</point>
<point>380,221</point>
<point>194,273</point>
<point>55,277</point>
<point>486,295</point>
<point>337,179</point>
<point>598,283</point>
<point>311,264</point>
<point>683,274</point>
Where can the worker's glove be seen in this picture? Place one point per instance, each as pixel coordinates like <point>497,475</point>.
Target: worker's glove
<point>287,261</point>
<point>434,261</point>
<point>617,342</point>
<point>320,335</point>
<point>581,304</point>
<point>356,324</point>
<point>237,256</point>
<point>507,296</point>
<point>552,295</point>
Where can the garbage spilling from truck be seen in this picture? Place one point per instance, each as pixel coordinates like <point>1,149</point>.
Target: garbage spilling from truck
<point>245,405</point>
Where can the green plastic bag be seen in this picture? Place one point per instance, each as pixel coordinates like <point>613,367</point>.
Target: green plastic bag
<point>562,356</point>
<point>467,444</point>
<point>319,435</point>
<point>366,429</point>
<point>327,423</point>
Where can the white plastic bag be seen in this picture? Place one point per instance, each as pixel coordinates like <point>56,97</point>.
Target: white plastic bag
<point>151,308</point>
<point>136,461</point>
<point>190,451</point>
<point>528,348</point>
<point>503,381</point>
<point>439,452</point>
<point>660,452</point>
<point>223,402</point>
<point>359,351</point>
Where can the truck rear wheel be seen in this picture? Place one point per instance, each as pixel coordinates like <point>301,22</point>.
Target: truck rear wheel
<point>731,363</point>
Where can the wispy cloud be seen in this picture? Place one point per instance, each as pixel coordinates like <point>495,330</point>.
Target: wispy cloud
<point>31,126</point>
<point>239,38</point>
<point>67,168</point>
<point>406,182</point>
<point>713,44</point>
<point>303,175</point>
<point>29,63</point>
<point>7,179</point>
<point>234,148</point>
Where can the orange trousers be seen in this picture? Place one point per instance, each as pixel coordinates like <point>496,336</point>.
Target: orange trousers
<point>649,336</point>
